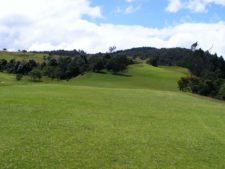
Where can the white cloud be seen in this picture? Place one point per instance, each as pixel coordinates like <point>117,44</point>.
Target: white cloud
<point>62,27</point>
<point>95,38</point>
<point>131,9</point>
<point>39,9</point>
<point>193,5</point>
<point>174,5</point>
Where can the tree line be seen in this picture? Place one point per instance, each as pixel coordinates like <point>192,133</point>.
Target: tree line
<point>207,74</point>
<point>66,67</point>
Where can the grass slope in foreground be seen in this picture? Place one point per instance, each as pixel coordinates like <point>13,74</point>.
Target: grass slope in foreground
<point>88,126</point>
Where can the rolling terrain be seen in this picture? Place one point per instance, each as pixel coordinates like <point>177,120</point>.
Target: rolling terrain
<point>22,56</point>
<point>132,121</point>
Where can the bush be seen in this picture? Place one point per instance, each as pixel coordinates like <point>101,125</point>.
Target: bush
<point>35,74</point>
<point>3,64</point>
<point>117,63</point>
<point>96,63</point>
<point>183,84</point>
<point>153,62</point>
<point>197,85</point>
<point>19,77</point>
<point>221,93</point>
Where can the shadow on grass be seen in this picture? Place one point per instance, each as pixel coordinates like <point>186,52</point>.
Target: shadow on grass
<point>122,74</point>
<point>101,72</point>
<point>116,74</point>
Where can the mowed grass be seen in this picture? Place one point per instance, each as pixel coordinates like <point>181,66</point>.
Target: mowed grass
<point>89,125</point>
<point>139,76</point>
<point>7,79</point>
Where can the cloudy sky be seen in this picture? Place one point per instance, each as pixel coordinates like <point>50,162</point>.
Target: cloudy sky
<point>94,25</point>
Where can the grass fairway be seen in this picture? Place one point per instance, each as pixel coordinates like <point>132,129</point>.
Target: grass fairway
<point>100,121</point>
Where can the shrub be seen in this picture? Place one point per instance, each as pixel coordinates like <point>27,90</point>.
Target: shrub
<point>117,63</point>
<point>183,84</point>
<point>197,85</point>
<point>153,62</point>
<point>35,74</point>
<point>221,93</point>
<point>96,63</point>
<point>19,76</point>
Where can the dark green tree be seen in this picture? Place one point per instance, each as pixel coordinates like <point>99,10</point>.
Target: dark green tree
<point>36,74</point>
<point>19,76</point>
<point>153,61</point>
<point>221,93</point>
<point>117,63</point>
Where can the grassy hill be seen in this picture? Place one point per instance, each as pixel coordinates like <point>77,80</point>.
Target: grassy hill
<point>95,121</point>
<point>139,76</point>
<point>22,56</point>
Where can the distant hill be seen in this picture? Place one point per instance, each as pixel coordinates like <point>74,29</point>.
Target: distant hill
<point>23,56</point>
<point>165,56</point>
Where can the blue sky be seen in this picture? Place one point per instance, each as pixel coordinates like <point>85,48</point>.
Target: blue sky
<point>151,13</point>
<point>94,25</point>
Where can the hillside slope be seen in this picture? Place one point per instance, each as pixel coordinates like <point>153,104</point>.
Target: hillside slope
<point>22,56</point>
<point>139,76</point>
<point>111,122</point>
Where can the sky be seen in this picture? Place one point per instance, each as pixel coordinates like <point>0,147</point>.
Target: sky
<point>94,25</point>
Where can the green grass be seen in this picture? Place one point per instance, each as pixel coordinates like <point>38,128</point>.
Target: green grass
<point>140,76</point>
<point>100,121</point>
<point>22,56</point>
<point>7,79</point>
